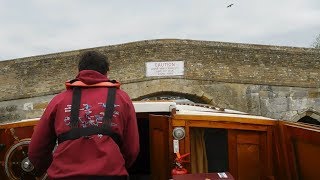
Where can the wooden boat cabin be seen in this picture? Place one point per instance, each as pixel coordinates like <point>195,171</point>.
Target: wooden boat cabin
<point>219,140</point>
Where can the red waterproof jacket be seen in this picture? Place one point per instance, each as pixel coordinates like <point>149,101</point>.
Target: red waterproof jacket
<point>97,155</point>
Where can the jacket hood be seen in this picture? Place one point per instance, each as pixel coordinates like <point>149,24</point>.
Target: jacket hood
<point>91,77</point>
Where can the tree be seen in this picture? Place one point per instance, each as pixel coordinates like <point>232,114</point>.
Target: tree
<point>316,43</point>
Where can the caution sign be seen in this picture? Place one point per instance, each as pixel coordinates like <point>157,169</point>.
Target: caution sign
<point>166,68</point>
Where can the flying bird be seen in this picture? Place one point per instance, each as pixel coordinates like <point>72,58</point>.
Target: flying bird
<point>229,5</point>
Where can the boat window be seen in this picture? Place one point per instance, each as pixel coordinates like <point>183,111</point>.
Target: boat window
<point>209,149</point>
<point>217,149</point>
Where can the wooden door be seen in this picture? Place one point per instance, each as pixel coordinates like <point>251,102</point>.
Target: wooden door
<point>301,150</point>
<point>159,147</point>
<point>248,154</point>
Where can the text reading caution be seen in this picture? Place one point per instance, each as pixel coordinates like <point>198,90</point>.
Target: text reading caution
<point>167,68</point>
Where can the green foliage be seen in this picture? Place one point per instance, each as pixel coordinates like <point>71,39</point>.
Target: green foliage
<point>316,43</point>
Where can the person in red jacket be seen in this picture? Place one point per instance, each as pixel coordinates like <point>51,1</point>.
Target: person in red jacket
<point>77,138</point>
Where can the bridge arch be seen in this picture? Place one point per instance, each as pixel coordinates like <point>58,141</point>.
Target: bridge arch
<point>271,81</point>
<point>308,116</point>
<point>207,92</point>
<point>174,96</point>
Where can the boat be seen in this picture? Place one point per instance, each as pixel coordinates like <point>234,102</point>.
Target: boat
<point>211,140</point>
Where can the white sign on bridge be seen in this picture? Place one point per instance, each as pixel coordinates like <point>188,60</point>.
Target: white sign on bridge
<point>166,68</point>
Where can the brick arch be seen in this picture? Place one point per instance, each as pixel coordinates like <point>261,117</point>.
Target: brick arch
<point>308,112</point>
<point>189,89</point>
<point>191,97</point>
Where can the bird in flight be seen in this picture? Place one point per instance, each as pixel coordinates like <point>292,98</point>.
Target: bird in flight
<point>229,5</point>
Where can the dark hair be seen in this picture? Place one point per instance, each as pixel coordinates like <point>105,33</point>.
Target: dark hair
<point>92,60</point>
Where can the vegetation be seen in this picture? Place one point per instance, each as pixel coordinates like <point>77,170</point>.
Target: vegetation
<point>316,43</point>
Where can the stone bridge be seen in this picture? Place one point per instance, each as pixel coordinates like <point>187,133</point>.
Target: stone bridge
<point>272,81</point>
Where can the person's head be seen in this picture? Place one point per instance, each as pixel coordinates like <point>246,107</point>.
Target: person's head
<point>92,60</point>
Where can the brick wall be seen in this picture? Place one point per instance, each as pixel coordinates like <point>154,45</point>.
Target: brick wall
<point>239,76</point>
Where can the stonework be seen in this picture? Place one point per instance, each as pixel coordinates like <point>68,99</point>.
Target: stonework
<point>272,81</point>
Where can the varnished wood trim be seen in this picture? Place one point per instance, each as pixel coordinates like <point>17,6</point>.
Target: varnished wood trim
<point>32,122</point>
<point>226,119</point>
<point>269,147</point>
<point>225,125</point>
<point>178,123</point>
<point>232,153</point>
<point>187,148</point>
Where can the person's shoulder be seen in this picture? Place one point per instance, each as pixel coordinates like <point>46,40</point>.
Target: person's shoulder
<point>61,94</point>
<point>122,92</point>
<point>124,95</point>
<point>58,97</point>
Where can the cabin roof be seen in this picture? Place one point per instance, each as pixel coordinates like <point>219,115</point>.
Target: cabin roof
<point>190,109</point>
<point>153,106</point>
<point>181,109</point>
<point>207,110</point>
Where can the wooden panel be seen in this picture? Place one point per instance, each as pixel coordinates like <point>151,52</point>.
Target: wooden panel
<point>232,153</point>
<point>248,138</point>
<point>171,154</point>
<point>307,158</point>
<point>228,118</point>
<point>301,150</point>
<point>248,155</point>
<point>225,125</point>
<point>159,147</point>
<point>178,123</point>
<point>187,148</point>
<point>281,168</point>
<point>31,122</point>
<point>248,162</point>
<point>269,145</point>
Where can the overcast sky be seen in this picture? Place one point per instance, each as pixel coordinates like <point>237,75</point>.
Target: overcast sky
<point>36,27</point>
